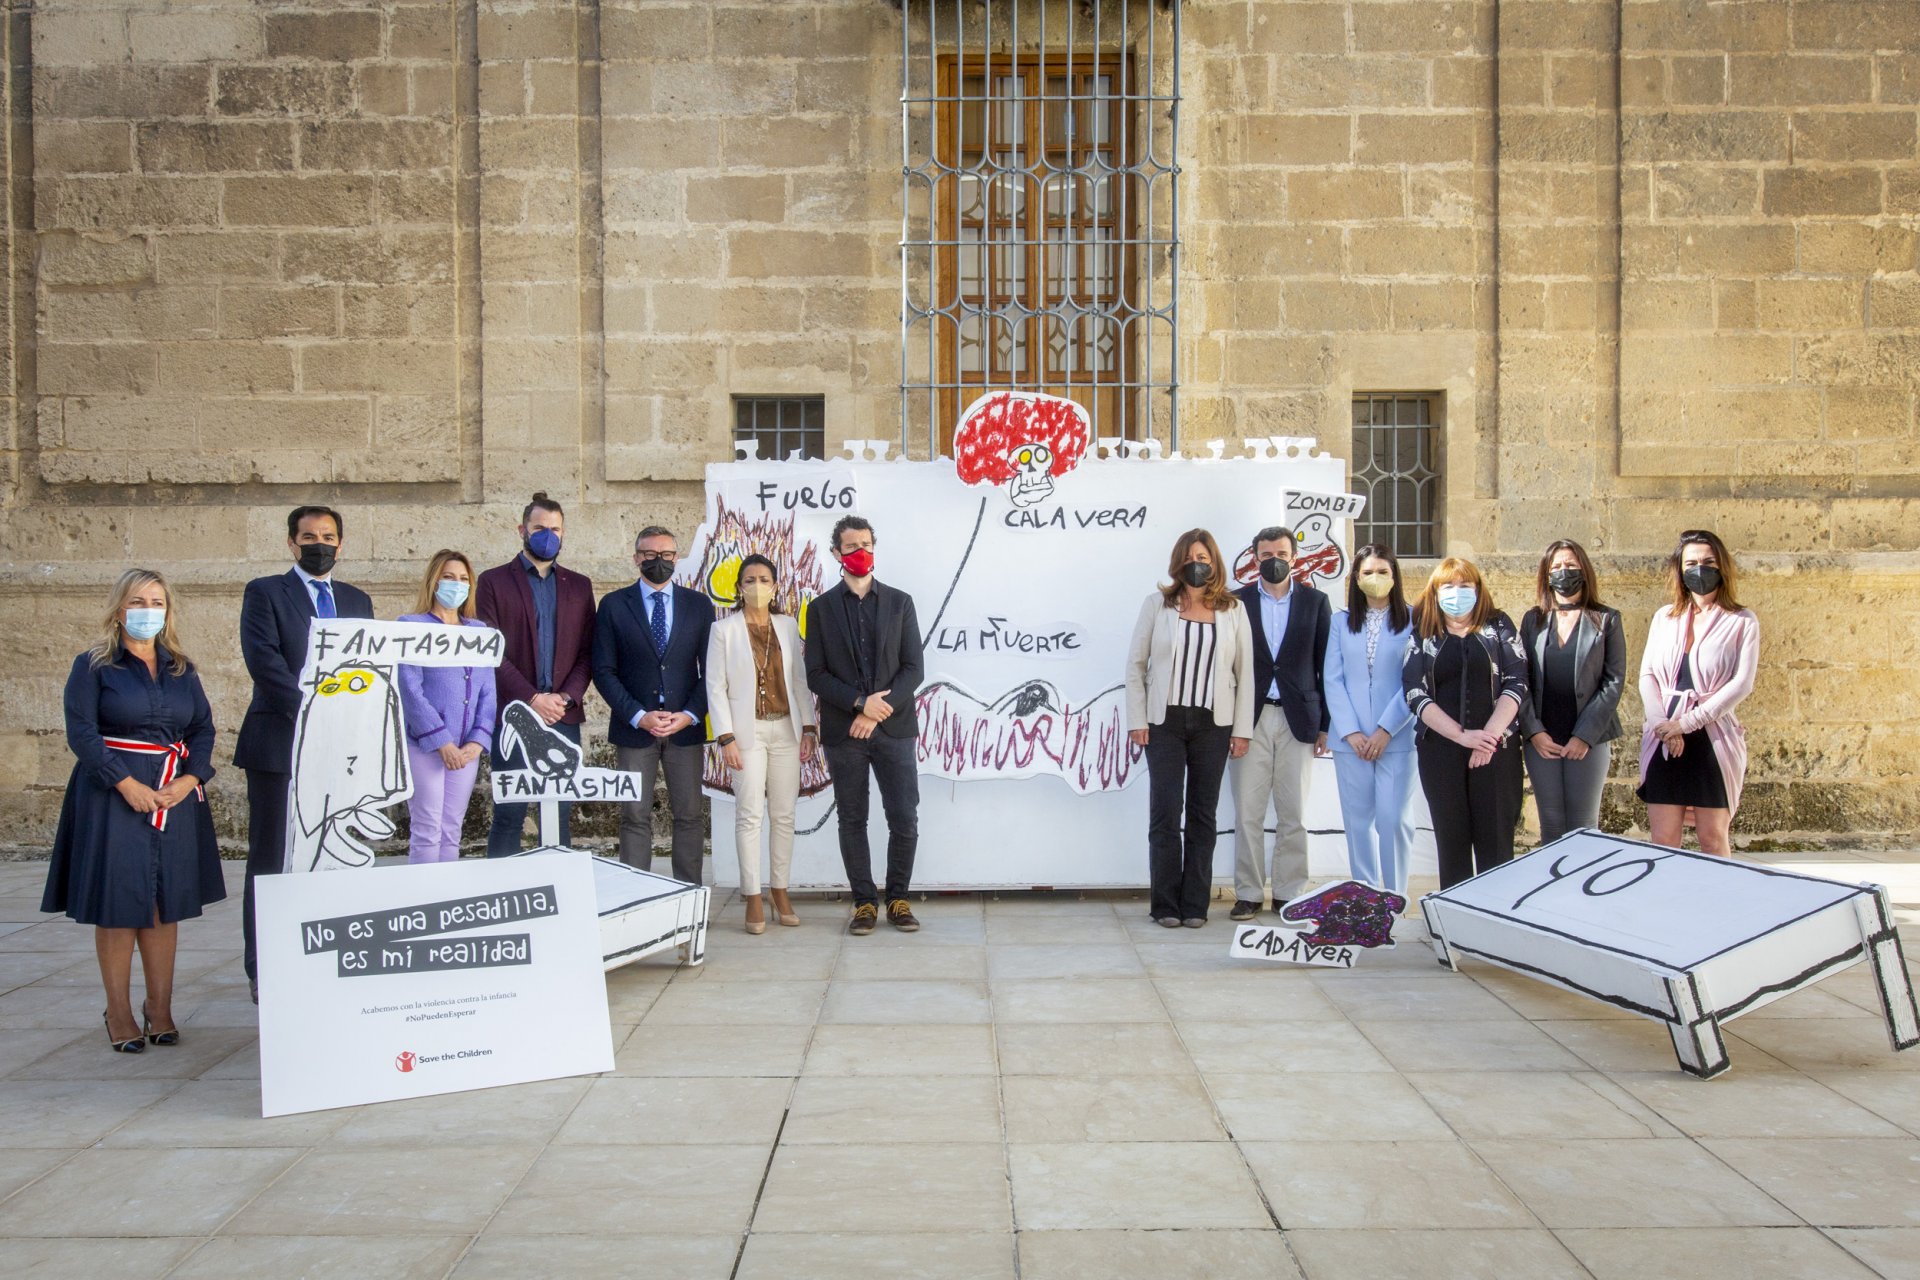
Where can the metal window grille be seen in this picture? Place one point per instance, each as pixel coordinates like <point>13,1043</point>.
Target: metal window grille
<point>1040,211</point>
<point>1396,464</point>
<point>784,425</point>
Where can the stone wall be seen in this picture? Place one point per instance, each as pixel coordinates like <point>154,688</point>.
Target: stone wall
<point>419,259</point>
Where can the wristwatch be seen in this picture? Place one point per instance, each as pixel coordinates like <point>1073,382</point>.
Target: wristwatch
<point>723,740</point>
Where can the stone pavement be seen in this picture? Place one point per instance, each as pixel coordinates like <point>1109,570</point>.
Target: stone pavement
<point>1035,1086</point>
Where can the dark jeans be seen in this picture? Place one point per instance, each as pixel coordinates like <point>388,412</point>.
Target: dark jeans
<point>1474,810</point>
<point>266,848</point>
<point>894,763</point>
<point>503,841</point>
<point>1186,757</point>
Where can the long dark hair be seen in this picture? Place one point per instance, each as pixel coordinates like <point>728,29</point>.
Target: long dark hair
<point>1589,594</point>
<point>773,606</point>
<point>1682,598</point>
<point>1397,612</point>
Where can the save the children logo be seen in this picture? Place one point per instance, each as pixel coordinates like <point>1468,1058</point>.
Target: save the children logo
<point>403,1061</point>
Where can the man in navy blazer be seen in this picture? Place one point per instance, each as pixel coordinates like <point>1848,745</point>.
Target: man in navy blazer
<point>650,664</point>
<point>1290,622</point>
<point>274,617</point>
<point>544,612</point>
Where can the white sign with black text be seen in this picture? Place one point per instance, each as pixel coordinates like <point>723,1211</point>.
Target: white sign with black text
<point>429,979</point>
<point>1290,946</point>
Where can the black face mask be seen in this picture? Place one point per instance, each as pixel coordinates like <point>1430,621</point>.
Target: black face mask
<point>317,558</point>
<point>1567,582</point>
<point>1195,574</point>
<point>1701,579</point>
<point>1275,570</point>
<point>658,572</point>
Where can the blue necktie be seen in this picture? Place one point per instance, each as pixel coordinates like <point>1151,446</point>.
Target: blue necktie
<point>325,608</point>
<point>660,622</point>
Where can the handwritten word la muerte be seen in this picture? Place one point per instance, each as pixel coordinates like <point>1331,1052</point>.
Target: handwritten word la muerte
<point>1056,640</point>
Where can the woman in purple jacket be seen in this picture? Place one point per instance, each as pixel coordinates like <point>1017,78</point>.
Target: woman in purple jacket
<point>449,716</point>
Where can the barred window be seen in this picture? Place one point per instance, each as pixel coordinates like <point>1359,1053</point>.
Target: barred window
<point>1040,244</point>
<point>1396,464</point>
<point>784,425</point>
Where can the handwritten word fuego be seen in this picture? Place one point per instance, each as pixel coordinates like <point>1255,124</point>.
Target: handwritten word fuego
<point>1295,946</point>
<point>828,495</point>
<point>998,637</point>
<point>477,643</point>
<point>428,918</point>
<point>587,784</point>
<point>1061,518</point>
<point>429,955</point>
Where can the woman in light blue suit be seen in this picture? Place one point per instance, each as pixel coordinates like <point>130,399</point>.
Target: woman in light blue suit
<point>1372,731</point>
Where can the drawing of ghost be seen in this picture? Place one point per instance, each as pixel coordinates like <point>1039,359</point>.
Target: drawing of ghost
<point>349,762</point>
<point>1316,554</point>
<point>1348,914</point>
<point>546,754</point>
<point>1020,439</point>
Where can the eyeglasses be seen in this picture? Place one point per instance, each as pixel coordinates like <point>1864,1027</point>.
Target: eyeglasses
<point>646,556</point>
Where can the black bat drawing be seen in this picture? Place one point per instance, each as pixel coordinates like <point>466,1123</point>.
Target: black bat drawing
<point>547,754</point>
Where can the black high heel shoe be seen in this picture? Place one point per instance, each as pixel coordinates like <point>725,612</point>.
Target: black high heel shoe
<point>168,1037</point>
<point>135,1045</point>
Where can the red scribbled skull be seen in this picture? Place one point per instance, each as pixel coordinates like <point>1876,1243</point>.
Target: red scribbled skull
<point>1020,439</point>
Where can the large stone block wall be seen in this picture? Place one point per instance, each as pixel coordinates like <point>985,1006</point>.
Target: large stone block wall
<point>421,258</point>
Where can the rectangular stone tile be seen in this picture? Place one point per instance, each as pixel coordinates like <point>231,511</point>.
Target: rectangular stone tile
<point>498,1256</point>
<point>942,924</point>
<point>19,1050</point>
<point>1323,1106</point>
<point>906,1003</point>
<point>72,1113</point>
<point>1541,1000</point>
<point>637,1190</point>
<point>54,1258</point>
<point>185,1192</point>
<point>1077,1000</point>
<point>1752,1253</point>
<point>769,963</point>
<point>890,1109</point>
<point>1822,1044</point>
<point>1765,1104</point>
<point>1136,1185</point>
<point>1833,1182</point>
<point>1109,1109</point>
<point>1888,1094</point>
<point>1055,929</point>
<point>901,1051</point>
<point>509,1116</point>
<point>367,1191</point>
<point>1646,1182</point>
<point>51,1006</point>
<point>713,1051</point>
<point>1891,1251</point>
<point>1209,1000</point>
<point>958,963</point>
<point>1242,1047</point>
<point>89,1058</point>
<point>1639,1044</point>
<point>19,968</point>
<point>692,1003</point>
<point>1526,1104</point>
<point>881,1190</point>
<point>926,1256</point>
<point>1471,1045</point>
<point>56,933</point>
<point>702,1110</point>
<point>1154,1255</point>
<point>221,1113</point>
<point>1381,1184</point>
<point>21,1165</point>
<point>1200,951</point>
<point>1434,1255</point>
<point>324,1257</point>
<point>1808,1002</point>
<point>1091,1048</point>
<point>1389,999</point>
<point>1010,961</point>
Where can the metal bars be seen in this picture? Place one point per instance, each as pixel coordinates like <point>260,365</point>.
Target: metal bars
<point>1396,464</point>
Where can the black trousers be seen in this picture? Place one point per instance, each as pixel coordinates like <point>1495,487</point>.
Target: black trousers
<point>1474,810</point>
<point>1186,758</point>
<point>894,763</point>
<point>266,846</point>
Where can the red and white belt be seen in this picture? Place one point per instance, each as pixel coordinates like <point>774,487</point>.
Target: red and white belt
<point>174,752</point>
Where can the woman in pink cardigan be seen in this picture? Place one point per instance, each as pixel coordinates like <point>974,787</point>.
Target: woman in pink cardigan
<point>1701,657</point>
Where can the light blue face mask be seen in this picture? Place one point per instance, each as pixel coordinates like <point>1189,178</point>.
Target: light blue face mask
<point>145,624</point>
<point>450,593</point>
<point>1457,599</point>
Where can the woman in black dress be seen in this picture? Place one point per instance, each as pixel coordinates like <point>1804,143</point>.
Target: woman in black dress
<point>135,852</point>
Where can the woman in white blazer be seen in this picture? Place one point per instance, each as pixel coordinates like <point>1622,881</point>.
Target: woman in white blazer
<point>1190,701</point>
<point>1372,731</point>
<point>764,725</point>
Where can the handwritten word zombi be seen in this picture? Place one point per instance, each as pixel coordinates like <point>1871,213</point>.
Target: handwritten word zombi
<point>1611,878</point>
<point>1061,518</point>
<point>829,495</point>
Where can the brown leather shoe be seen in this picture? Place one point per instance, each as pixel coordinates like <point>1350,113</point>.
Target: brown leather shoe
<point>900,916</point>
<point>865,916</point>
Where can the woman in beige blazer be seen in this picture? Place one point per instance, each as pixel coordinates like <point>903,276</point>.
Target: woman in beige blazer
<point>1190,703</point>
<point>763,723</point>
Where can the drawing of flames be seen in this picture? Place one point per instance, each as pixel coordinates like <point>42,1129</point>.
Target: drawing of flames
<point>800,579</point>
<point>1030,729</point>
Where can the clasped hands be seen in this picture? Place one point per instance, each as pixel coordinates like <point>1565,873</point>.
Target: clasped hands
<point>664,724</point>
<point>873,709</point>
<point>142,798</point>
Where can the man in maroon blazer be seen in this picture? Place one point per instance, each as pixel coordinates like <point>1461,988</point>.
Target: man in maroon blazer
<point>546,614</point>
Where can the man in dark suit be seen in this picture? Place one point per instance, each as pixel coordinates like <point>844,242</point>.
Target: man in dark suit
<point>274,616</point>
<point>545,613</point>
<point>864,663</point>
<point>1290,622</point>
<point>650,664</point>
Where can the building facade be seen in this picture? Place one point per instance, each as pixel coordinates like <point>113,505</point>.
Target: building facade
<point>1602,269</point>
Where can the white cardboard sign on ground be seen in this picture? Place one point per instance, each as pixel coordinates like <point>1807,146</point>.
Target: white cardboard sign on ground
<point>1686,938</point>
<point>1289,946</point>
<point>428,979</point>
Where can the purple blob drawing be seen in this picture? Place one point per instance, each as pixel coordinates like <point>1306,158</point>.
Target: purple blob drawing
<point>1349,914</point>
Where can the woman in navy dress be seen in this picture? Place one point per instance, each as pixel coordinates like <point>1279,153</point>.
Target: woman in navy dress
<point>135,853</point>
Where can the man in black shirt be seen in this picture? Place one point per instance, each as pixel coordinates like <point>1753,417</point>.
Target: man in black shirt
<point>864,663</point>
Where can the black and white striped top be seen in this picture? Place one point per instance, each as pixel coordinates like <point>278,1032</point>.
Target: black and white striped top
<point>1193,665</point>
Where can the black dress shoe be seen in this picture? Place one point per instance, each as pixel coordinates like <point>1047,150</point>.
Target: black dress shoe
<point>1244,910</point>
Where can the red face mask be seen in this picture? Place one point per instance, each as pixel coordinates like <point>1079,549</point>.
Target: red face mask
<point>858,562</point>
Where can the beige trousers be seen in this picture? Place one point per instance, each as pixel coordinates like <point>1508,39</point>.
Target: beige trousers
<point>765,789</point>
<point>1273,773</point>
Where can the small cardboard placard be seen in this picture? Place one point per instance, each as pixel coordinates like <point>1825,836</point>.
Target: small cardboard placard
<point>1290,946</point>
<point>429,979</point>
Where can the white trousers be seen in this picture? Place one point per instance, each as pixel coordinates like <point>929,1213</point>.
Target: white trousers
<point>1273,773</point>
<point>765,788</point>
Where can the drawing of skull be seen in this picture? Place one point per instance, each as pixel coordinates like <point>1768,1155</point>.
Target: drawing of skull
<point>1031,481</point>
<point>1022,440</point>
